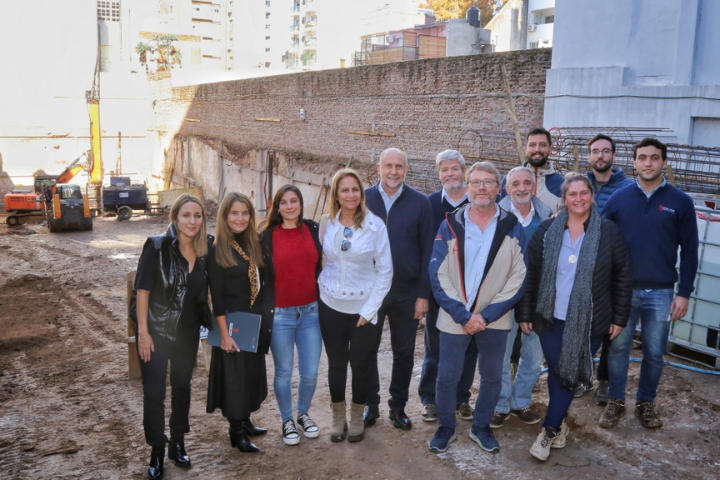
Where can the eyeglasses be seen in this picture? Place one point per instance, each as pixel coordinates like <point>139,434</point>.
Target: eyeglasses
<point>482,183</point>
<point>604,151</point>
<point>346,244</point>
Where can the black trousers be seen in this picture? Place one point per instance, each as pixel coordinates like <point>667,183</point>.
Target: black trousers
<point>181,355</point>
<point>400,310</point>
<point>345,343</point>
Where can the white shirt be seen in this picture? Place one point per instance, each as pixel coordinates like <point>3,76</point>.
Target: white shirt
<point>477,250</point>
<point>449,199</point>
<point>523,221</point>
<point>356,280</point>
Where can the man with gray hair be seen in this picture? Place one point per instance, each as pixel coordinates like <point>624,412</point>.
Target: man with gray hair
<point>477,271</point>
<point>515,397</point>
<point>408,217</point>
<point>452,195</point>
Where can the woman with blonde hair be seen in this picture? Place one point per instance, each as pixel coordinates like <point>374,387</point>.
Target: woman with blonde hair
<point>238,379</point>
<point>169,305</point>
<point>353,283</point>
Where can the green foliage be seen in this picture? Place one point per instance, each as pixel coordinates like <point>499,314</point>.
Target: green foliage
<point>163,44</point>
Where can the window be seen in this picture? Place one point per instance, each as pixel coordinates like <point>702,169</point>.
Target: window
<point>267,26</point>
<point>533,44</point>
<point>108,11</point>
<point>550,19</point>
<point>267,64</point>
<point>267,3</point>
<point>267,15</point>
<point>267,49</point>
<point>267,38</point>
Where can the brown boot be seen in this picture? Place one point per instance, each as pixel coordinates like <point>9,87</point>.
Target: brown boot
<point>645,411</point>
<point>339,429</point>
<point>356,432</point>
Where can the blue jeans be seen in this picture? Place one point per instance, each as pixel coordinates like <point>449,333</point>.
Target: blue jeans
<point>652,309</point>
<point>491,348</point>
<point>560,397</point>
<point>428,377</point>
<point>296,326</point>
<point>516,396</point>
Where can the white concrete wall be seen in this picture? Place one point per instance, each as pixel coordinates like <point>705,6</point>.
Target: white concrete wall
<point>652,53</point>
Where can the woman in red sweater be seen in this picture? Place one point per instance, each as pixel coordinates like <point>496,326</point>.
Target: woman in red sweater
<point>293,260</point>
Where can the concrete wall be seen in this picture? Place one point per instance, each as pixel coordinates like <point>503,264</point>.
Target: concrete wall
<point>422,107</point>
<point>654,66</point>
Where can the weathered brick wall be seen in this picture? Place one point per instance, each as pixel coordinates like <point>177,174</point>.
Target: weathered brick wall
<point>429,106</point>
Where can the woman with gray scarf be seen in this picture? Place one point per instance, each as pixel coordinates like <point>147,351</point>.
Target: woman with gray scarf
<point>578,292</point>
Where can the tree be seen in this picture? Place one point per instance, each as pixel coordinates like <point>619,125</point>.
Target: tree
<point>163,45</point>
<point>447,9</point>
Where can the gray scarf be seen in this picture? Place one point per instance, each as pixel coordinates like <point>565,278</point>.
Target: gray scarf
<point>575,363</point>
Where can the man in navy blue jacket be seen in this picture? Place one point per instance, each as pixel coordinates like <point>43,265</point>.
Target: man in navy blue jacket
<point>452,195</point>
<point>655,218</point>
<point>605,180</point>
<point>408,217</point>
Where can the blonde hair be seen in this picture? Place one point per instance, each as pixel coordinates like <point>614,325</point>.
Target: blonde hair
<point>199,241</point>
<point>333,207</point>
<point>224,236</point>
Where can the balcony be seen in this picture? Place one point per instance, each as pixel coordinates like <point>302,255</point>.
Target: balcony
<point>295,28</point>
<point>310,6</point>
<point>310,44</point>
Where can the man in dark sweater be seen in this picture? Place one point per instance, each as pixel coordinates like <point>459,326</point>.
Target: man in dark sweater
<point>605,180</point>
<point>452,195</point>
<point>408,217</point>
<point>655,218</point>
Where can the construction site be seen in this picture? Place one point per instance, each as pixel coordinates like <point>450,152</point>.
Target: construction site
<point>78,204</point>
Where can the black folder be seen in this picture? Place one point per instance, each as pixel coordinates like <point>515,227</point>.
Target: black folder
<point>243,327</point>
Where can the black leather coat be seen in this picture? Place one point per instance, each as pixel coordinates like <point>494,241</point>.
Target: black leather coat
<point>168,292</point>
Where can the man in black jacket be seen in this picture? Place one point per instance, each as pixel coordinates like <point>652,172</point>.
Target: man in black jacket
<point>408,217</point>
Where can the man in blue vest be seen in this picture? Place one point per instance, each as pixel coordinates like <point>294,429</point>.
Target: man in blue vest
<point>515,397</point>
<point>408,217</point>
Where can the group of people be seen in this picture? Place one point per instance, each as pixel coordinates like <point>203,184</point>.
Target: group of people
<point>571,262</point>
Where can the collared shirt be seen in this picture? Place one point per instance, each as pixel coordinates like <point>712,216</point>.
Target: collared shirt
<point>477,249</point>
<point>648,195</point>
<point>386,199</point>
<point>565,277</point>
<point>523,221</point>
<point>452,202</point>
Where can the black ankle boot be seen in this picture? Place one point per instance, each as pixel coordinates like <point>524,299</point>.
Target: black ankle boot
<point>176,451</point>
<point>155,469</point>
<point>239,439</point>
<point>251,429</point>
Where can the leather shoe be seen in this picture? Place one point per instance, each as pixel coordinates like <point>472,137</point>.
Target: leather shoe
<point>155,469</point>
<point>400,419</point>
<point>370,416</point>
<point>242,442</point>
<point>176,451</point>
<point>251,429</point>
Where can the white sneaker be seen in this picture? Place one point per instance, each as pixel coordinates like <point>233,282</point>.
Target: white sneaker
<point>561,439</point>
<point>542,445</point>
<point>290,433</point>
<point>308,427</point>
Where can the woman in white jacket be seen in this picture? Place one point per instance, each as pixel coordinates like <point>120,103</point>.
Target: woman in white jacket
<point>354,281</point>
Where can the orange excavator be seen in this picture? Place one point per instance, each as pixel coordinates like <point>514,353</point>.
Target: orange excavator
<point>52,196</point>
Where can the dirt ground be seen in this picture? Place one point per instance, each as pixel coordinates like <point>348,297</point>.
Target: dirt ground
<point>68,410</point>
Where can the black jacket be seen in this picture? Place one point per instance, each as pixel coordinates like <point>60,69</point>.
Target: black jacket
<point>168,292</point>
<point>267,248</point>
<point>612,286</point>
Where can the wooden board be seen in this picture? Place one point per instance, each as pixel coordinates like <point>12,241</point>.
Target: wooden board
<point>431,47</point>
<point>166,198</point>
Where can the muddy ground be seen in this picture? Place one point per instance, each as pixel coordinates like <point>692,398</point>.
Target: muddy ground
<point>68,410</point>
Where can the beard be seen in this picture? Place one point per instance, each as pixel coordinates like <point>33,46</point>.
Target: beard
<point>535,162</point>
<point>604,168</point>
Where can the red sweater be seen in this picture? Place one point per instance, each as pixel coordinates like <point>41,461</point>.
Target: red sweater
<point>294,261</point>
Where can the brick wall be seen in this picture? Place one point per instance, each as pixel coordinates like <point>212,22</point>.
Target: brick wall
<point>428,105</point>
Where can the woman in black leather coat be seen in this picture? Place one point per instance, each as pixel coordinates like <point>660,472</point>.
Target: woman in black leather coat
<point>168,305</point>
